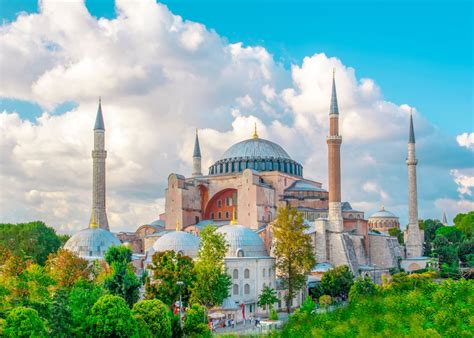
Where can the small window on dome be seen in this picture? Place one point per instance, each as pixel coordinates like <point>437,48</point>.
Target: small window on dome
<point>240,253</point>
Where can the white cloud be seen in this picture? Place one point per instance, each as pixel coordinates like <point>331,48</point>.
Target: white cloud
<point>160,78</point>
<point>465,181</point>
<point>466,140</point>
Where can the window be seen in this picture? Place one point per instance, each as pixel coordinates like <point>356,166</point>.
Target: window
<point>219,215</point>
<point>247,273</point>
<point>235,290</point>
<point>227,215</point>
<point>263,272</point>
<point>235,274</point>
<point>212,215</point>
<point>196,218</point>
<point>269,272</point>
<point>219,203</point>
<point>240,253</point>
<point>247,289</point>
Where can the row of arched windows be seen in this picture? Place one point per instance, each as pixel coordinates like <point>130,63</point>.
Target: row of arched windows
<point>235,289</point>
<point>290,167</point>
<point>235,273</point>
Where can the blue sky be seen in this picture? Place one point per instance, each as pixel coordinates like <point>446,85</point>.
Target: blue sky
<point>419,52</point>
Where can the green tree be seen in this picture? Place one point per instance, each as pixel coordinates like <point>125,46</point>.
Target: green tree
<point>452,234</point>
<point>167,269</point>
<point>82,297</point>
<point>431,226</point>
<point>212,281</point>
<point>396,232</point>
<point>337,282</point>
<point>466,252</point>
<point>155,315</point>
<point>308,305</point>
<point>195,322</point>
<point>111,317</point>
<point>24,322</point>
<point>362,287</point>
<point>32,240</point>
<point>293,251</point>
<point>121,281</point>
<point>465,223</point>
<point>60,322</point>
<point>267,297</point>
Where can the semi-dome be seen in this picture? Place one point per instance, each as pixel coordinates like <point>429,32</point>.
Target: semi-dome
<point>178,241</point>
<point>91,243</point>
<point>243,242</point>
<point>257,154</point>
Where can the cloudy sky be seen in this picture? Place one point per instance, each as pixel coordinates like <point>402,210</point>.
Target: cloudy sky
<point>164,71</point>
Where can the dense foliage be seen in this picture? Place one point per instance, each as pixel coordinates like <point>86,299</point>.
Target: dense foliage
<point>122,280</point>
<point>410,306</point>
<point>24,322</point>
<point>267,297</point>
<point>195,322</point>
<point>293,251</point>
<point>33,241</point>
<point>111,317</point>
<point>212,281</point>
<point>167,268</point>
<point>155,316</point>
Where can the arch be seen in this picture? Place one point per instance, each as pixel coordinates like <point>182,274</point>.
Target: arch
<point>235,274</point>
<point>263,272</point>
<point>215,204</point>
<point>247,289</point>
<point>240,253</point>
<point>235,289</point>
<point>246,273</point>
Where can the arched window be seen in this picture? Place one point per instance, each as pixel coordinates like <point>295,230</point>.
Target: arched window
<point>219,215</point>
<point>235,274</point>
<point>227,214</point>
<point>246,273</point>
<point>247,289</point>
<point>263,272</point>
<point>212,215</point>
<point>269,272</point>
<point>240,253</point>
<point>235,290</point>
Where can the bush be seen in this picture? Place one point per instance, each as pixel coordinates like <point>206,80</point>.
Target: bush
<point>363,287</point>
<point>111,317</point>
<point>24,322</point>
<point>325,301</point>
<point>155,315</point>
<point>273,314</point>
<point>195,321</point>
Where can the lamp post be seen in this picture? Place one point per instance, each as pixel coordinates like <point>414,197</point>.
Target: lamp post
<point>180,283</point>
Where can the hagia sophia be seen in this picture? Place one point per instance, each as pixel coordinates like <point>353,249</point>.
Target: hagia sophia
<point>240,195</point>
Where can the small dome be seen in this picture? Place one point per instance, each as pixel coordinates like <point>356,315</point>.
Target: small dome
<point>91,243</point>
<point>178,241</point>
<point>243,242</point>
<point>382,213</point>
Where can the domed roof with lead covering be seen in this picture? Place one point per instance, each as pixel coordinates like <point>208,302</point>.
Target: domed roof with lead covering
<point>382,213</point>
<point>243,242</point>
<point>91,243</point>
<point>255,148</point>
<point>178,241</point>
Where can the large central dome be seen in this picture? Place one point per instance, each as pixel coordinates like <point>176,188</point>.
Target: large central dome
<point>257,154</point>
<point>255,148</point>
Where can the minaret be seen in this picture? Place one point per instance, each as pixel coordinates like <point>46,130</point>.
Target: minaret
<point>445,219</point>
<point>197,157</point>
<point>99,216</point>
<point>334,141</point>
<point>413,245</point>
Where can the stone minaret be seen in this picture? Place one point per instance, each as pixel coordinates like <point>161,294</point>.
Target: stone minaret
<point>334,141</point>
<point>99,216</point>
<point>413,246</point>
<point>197,157</point>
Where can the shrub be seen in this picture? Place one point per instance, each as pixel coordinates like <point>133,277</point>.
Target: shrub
<point>273,315</point>
<point>155,315</point>
<point>325,301</point>
<point>24,322</point>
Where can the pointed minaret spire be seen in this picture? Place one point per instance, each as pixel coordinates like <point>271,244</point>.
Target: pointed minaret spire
<point>334,141</point>
<point>414,247</point>
<point>445,219</point>
<point>99,119</point>
<point>99,154</point>
<point>411,137</point>
<point>334,109</point>
<point>196,157</point>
